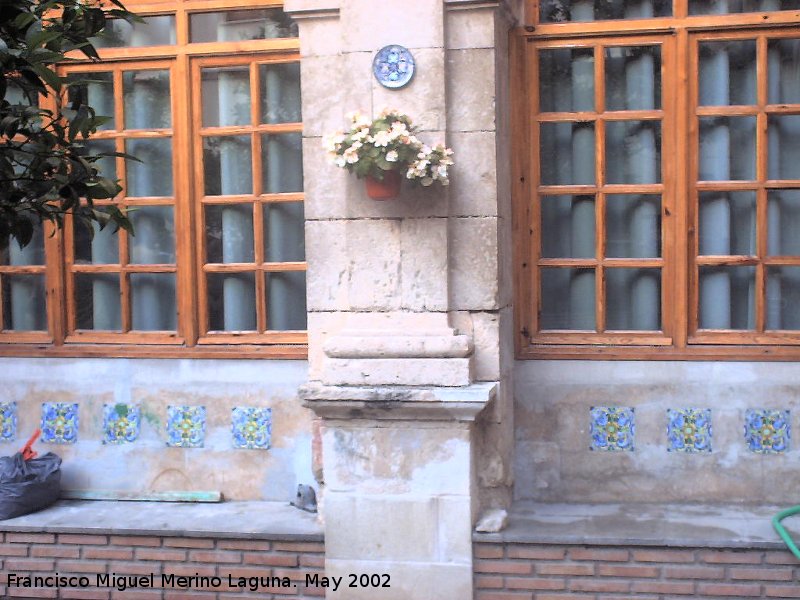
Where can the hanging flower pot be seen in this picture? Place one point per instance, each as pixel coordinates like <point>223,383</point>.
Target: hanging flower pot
<point>383,190</point>
<point>387,147</point>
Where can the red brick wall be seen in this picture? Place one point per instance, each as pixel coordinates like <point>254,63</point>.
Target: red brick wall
<point>552,572</point>
<point>72,554</point>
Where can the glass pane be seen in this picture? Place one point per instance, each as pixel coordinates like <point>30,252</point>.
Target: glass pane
<point>153,306</point>
<point>153,175</point>
<point>226,96</point>
<point>633,299</point>
<point>157,30</point>
<point>559,11</point>
<point>567,153</point>
<point>229,233</point>
<point>633,152</point>
<point>282,163</point>
<point>727,148</point>
<point>633,78</point>
<point>783,297</point>
<point>147,95</point>
<point>15,95</point>
<point>227,165</point>
<point>784,147</point>
<point>106,165</point>
<point>286,300</point>
<point>727,297</point>
<point>783,223</point>
<point>727,73</point>
<point>154,239</point>
<point>568,227</point>
<point>97,301</point>
<point>727,223</point>
<point>784,71</point>
<point>568,299</point>
<point>32,254</point>
<point>721,7</point>
<point>280,93</point>
<point>566,77</point>
<point>284,235</point>
<point>102,248</point>
<point>232,301</point>
<point>24,303</point>
<point>95,90</point>
<point>238,25</point>
<point>633,226</point>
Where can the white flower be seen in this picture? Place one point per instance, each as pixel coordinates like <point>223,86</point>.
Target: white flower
<point>351,156</point>
<point>340,161</point>
<point>441,172</point>
<point>424,151</point>
<point>392,156</point>
<point>381,139</point>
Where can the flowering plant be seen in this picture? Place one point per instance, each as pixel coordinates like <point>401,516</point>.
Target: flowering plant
<point>370,148</point>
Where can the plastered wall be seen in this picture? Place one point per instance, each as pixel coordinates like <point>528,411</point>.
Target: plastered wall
<point>554,463</point>
<point>147,464</point>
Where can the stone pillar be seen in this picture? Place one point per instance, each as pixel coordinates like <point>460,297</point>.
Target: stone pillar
<point>407,298</point>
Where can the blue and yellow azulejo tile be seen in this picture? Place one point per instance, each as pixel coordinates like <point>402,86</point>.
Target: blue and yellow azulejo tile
<point>689,430</point>
<point>767,431</point>
<point>186,426</point>
<point>8,421</point>
<point>121,423</point>
<point>612,428</point>
<point>59,422</point>
<point>252,427</point>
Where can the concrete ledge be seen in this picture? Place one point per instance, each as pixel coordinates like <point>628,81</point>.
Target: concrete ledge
<point>248,520</point>
<point>398,402</point>
<point>663,525</point>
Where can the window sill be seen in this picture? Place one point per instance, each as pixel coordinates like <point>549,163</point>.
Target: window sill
<point>699,353</point>
<point>275,351</point>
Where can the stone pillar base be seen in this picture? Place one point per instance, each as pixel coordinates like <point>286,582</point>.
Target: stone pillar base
<point>399,497</point>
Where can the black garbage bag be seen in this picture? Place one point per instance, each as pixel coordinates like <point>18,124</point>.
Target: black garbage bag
<point>28,485</point>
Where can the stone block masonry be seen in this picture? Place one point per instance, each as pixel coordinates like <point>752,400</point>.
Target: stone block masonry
<point>513,571</point>
<point>175,559</point>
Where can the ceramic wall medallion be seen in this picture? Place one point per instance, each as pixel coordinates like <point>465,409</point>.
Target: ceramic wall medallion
<point>121,423</point>
<point>612,428</point>
<point>251,427</point>
<point>59,422</point>
<point>186,426</point>
<point>393,66</point>
<point>8,421</point>
<point>689,430</point>
<point>767,431</point>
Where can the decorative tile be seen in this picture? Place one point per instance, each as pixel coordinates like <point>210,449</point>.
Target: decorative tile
<point>121,423</point>
<point>252,427</point>
<point>612,428</point>
<point>767,431</point>
<point>8,421</point>
<point>186,426</point>
<point>59,422</point>
<point>689,430</point>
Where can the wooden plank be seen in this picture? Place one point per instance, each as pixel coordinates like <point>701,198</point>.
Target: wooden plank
<point>129,496</point>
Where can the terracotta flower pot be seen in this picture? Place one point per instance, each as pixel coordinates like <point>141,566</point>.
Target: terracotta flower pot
<point>384,190</point>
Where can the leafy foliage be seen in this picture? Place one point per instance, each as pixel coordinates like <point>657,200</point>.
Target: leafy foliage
<point>46,168</point>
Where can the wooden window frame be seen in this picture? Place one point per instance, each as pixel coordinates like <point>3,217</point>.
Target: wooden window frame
<point>680,338</point>
<point>62,338</point>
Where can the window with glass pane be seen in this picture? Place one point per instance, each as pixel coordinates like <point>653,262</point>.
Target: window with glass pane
<point>251,196</point>
<point>748,252</point>
<point>600,257</point>
<point>661,186</point>
<point>119,282</point>
<point>207,101</point>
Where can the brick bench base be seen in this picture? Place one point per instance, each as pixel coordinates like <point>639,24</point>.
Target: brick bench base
<point>215,563</point>
<point>514,571</point>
